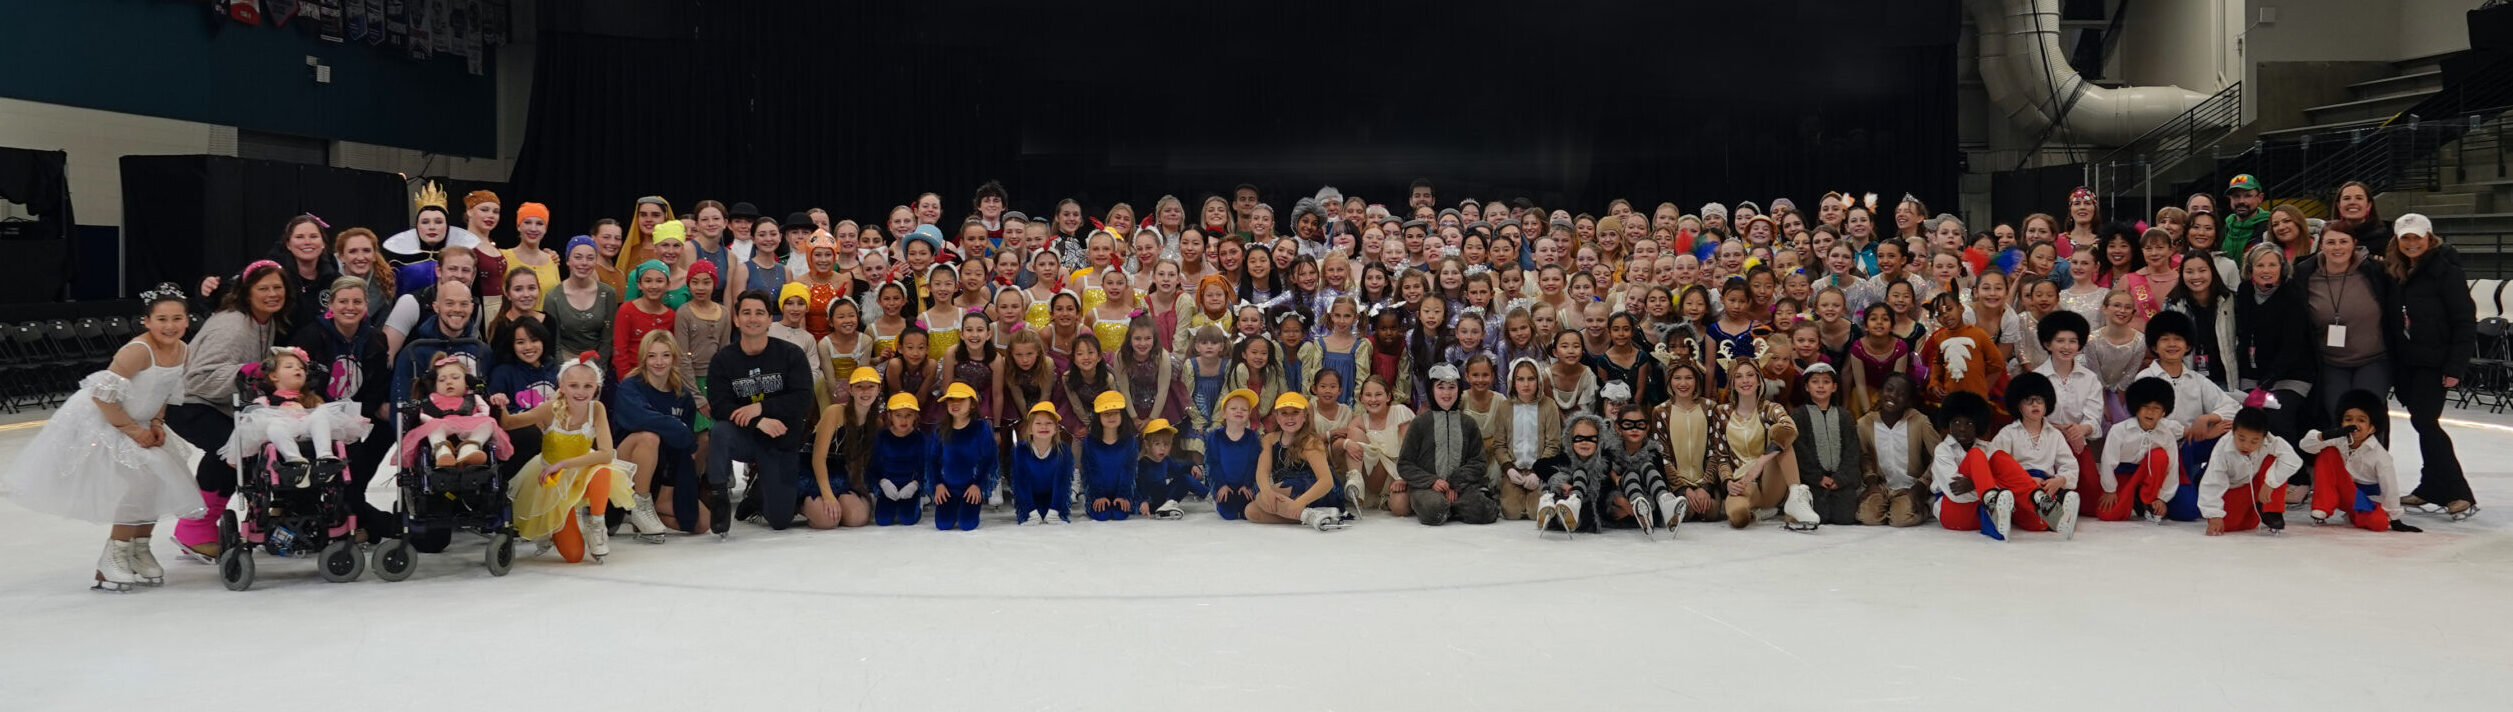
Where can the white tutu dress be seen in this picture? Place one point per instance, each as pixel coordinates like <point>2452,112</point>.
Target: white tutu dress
<point>338,422</point>
<point>81,468</point>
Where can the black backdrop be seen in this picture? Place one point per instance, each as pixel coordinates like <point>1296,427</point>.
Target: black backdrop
<point>859,106</point>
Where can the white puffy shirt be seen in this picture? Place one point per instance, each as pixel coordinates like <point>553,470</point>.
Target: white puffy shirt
<point>2080,394</point>
<point>2229,467</point>
<point>2193,395</point>
<point>2368,465</point>
<point>2128,444</point>
<point>2047,452</point>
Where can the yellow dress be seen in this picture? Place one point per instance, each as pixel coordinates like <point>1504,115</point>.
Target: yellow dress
<point>1039,315</point>
<point>843,360</point>
<point>542,509</point>
<point>1111,332</point>
<point>940,339</point>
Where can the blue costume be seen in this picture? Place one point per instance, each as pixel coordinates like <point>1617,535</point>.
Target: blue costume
<point>963,458</point>
<point>1108,473</point>
<point>1042,484</point>
<point>1231,463</point>
<point>900,461</point>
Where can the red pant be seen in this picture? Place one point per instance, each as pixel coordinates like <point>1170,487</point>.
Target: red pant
<point>2089,482</point>
<point>2335,492</point>
<point>2242,504</point>
<point>1993,472</point>
<point>2140,486</point>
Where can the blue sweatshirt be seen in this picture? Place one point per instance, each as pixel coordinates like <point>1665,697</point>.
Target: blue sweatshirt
<point>638,407</point>
<point>964,457</point>
<point>1159,478</point>
<point>1108,470</point>
<point>900,459</point>
<point>1231,463</point>
<point>1052,475</point>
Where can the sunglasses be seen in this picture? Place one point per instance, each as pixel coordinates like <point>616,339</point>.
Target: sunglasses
<point>1583,438</point>
<point>1634,424</point>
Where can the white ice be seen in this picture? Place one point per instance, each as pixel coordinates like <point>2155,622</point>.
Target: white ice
<point>1388,615</point>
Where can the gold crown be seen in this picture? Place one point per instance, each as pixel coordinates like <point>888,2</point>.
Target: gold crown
<point>429,196</point>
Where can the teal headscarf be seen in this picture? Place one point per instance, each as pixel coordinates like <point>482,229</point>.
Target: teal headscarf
<point>640,271</point>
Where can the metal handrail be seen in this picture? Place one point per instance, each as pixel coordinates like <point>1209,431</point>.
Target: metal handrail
<point>2222,110</point>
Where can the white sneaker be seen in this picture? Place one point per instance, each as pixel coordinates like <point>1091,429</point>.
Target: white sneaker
<point>144,563</point>
<point>1670,510</point>
<point>113,568</point>
<point>1799,509</point>
<point>1325,519</point>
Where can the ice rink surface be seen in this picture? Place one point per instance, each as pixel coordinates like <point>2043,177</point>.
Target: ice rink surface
<point>1388,615</point>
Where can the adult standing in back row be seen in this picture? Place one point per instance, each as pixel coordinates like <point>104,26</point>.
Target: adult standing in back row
<point>2349,301</point>
<point>2437,338</point>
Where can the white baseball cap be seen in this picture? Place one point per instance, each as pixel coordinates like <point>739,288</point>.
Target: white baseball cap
<point>2413,224</point>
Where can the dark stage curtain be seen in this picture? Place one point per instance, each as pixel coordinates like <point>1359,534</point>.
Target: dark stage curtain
<point>856,107</point>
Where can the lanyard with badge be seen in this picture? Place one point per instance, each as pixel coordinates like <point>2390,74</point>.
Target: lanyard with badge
<point>2337,336</point>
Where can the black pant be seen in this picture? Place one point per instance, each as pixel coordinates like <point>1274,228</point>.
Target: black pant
<point>209,429</point>
<point>2420,390</point>
<point>776,487</point>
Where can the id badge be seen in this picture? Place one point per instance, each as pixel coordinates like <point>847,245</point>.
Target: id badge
<point>2338,336</point>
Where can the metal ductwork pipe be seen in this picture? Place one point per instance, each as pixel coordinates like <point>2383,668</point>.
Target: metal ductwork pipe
<point>2030,81</point>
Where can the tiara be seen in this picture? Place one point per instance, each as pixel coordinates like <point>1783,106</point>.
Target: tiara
<point>164,291</point>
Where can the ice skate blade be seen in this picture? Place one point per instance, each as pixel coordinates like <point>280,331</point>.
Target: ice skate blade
<point>1797,526</point>
<point>650,538</point>
<point>110,587</point>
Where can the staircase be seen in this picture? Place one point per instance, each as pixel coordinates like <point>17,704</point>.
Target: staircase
<point>2370,103</point>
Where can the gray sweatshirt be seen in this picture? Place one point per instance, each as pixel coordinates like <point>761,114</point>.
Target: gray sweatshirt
<point>227,339</point>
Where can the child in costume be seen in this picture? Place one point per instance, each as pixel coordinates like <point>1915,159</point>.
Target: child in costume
<point>2352,475</point>
<point>1976,487</point>
<point>453,421</point>
<point>1573,476</point>
<point>288,411</point>
<point>1042,468</point>
<point>964,466</point>
<point>1828,449</point>
<point>2202,407</point>
<point>1161,481</point>
<point>562,495</point>
<point>106,456</point>
<point>2038,446</point>
<point>1898,447</point>
<point>2244,486</point>
<point>900,457</point>
<point>1294,483</point>
<point>1108,458</point>
<point>1231,448</point>
<point>2142,456</point>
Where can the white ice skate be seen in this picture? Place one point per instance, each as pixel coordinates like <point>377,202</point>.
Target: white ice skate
<point>1998,508</point>
<point>597,536</point>
<point>144,563</point>
<point>1548,515</point>
<point>1568,510</point>
<point>2060,513</point>
<point>1169,512</point>
<point>2460,510</point>
<point>1798,512</point>
<point>2320,516</point>
<point>1670,512</point>
<point>1646,517</point>
<point>113,568</point>
<point>644,521</point>
<point>1352,490</point>
<point>1325,519</point>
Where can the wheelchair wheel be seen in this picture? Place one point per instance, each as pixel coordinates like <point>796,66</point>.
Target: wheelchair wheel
<point>340,562</point>
<point>501,556</point>
<point>235,568</point>
<point>395,560</point>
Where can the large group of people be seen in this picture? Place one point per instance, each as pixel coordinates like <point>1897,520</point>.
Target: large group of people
<point>1856,363</point>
